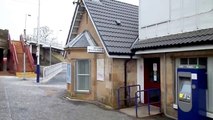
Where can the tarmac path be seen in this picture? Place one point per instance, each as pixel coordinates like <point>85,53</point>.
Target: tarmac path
<point>28,100</point>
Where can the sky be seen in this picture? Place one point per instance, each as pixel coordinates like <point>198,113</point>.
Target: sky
<point>56,14</point>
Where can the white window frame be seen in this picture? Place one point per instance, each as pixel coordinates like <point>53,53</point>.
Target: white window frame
<point>77,75</point>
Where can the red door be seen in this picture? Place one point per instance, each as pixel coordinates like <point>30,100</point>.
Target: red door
<point>152,78</point>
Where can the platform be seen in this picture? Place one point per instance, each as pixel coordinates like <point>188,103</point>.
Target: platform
<point>142,111</point>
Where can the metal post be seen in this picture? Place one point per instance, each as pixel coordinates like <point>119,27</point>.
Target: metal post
<point>118,98</point>
<point>24,69</point>
<point>25,39</point>
<point>38,45</point>
<point>148,102</point>
<point>136,103</point>
<point>50,54</point>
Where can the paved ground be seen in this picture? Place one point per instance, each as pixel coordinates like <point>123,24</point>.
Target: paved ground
<point>27,100</point>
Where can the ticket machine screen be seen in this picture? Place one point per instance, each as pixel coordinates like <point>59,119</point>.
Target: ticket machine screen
<point>185,91</point>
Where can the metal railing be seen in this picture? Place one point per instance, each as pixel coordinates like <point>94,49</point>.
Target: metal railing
<point>128,91</point>
<point>149,102</point>
<point>52,70</point>
<point>27,51</point>
<point>14,55</point>
<point>45,43</point>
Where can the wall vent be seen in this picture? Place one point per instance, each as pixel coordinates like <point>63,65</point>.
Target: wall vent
<point>118,22</point>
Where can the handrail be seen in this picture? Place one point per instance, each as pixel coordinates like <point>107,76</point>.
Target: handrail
<point>128,88</point>
<point>27,51</point>
<point>22,43</point>
<point>52,70</point>
<point>148,101</point>
<point>16,58</point>
<point>13,51</point>
<point>31,60</point>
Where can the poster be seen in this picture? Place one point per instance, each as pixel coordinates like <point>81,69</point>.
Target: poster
<point>68,74</point>
<point>100,69</point>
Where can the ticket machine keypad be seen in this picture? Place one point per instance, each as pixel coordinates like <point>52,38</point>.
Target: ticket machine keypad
<point>184,97</point>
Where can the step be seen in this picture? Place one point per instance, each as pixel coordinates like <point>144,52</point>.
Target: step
<point>27,74</point>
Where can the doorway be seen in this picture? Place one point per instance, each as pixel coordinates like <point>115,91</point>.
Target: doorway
<point>152,79</point>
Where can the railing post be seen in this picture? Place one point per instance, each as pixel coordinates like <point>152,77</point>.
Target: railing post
<point>129,95</point>
<point>160,100</point>
<point>148,102</point>
<point>136,104</point>
<point>140,93</point>
<point>118,92</point>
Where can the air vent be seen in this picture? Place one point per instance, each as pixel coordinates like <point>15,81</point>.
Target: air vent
<point>118,22</point>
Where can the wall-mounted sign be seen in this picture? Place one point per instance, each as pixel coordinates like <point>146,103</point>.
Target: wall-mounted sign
<point>100,69</point>
<point>68,74</point>
<point>155,68</point>
<point>94,49</point>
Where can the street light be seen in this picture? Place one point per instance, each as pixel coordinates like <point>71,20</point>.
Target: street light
<point>25,39</point>
<point>25,26</point>
<point>38,45</point>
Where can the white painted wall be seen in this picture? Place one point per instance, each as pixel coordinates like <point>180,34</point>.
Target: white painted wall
<point>210,83</point>
<point>177,16</point>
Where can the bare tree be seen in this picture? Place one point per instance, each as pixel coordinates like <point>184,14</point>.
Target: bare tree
<point>46,33</point>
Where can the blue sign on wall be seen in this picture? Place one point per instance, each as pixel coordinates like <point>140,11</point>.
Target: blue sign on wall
<point>68,73</point>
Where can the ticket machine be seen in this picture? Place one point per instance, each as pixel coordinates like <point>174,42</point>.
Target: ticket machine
<point>192,85</point>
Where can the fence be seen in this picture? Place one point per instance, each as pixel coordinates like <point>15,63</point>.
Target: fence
<point>51,71</point>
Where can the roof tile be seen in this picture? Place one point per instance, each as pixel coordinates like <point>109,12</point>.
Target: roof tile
<point>199,36</point>
<point>116,38</point>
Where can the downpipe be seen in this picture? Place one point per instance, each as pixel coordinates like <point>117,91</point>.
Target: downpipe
<point>165,94</point>
<point>125,80</point>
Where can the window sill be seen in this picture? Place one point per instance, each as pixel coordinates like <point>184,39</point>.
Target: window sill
<point>82,91</point>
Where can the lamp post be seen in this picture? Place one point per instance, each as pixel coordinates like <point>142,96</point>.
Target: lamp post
<point>38,45</point>
<point>25,25</point>
<point>25,39</point>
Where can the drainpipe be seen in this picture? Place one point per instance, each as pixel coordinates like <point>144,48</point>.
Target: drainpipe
<point>125,79</point>
<point>165,94</point>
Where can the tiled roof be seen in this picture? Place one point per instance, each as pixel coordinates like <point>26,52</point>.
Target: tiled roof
<point>117,39</point>
<point>204,36</point>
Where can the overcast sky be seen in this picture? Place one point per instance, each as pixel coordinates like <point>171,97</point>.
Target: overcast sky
<point>56,14</point>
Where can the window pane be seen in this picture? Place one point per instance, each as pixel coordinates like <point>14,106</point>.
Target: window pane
<point>203,61</point>
<point>83,67</point>
<point>83,75</point>
<point>192,61</point>
<point>184,61</point>
<point>83,82</point>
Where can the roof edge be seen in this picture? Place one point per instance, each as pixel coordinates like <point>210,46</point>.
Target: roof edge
<point>72,23</point>
<point>96,28</point>
<point>176,49</point>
